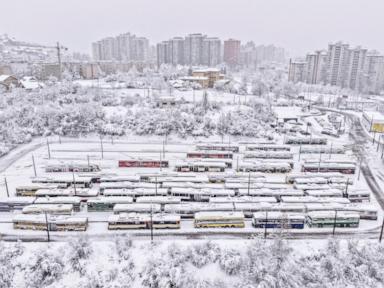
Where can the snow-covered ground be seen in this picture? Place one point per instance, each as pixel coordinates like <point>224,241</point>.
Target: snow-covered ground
<point>192,263</point>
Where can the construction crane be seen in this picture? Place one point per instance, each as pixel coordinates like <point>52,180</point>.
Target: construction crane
<point>59,48</point>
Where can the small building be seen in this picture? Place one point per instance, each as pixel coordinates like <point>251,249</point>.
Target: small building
<point>213,75</point>
<point>9,81</point>
<point>202,81</point>
<point>373,121</point>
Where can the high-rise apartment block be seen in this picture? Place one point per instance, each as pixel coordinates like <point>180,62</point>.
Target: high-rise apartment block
<point>124,48</point>
<point>353,68</point>
<point>232,52</point>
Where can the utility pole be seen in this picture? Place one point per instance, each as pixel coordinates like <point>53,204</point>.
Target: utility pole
<point>334,223</point>
<point>164,149</point>
<point>6,186</point>
<point>34,166</point>
<point>381,232</point>
<point>346,188</point>
<point>151,224</point>
<point>330,151</point>
<point>382,150</point>
<point>299,152</point>
<point>49,149</point>
<point>102,148</point>
<point>265,224</point>
<point>47,226</point>
<point>58,47</point>
<point>59,139</point>
<point>318,169</point>
<point>161,169</point>
<point>156,186</point>
<point>237,163</point>
<point>249,183</point>
<point>358,176</point>
<point>88,162</point>
<point>74,181</point>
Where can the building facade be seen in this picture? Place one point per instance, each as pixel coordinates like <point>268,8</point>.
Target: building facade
<point>316,70</point>
<point>124,48</point>
<point>297,71</point>
<point>232,52</point>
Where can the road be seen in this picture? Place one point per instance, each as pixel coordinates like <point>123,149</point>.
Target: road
<point>200,234</point>
<point>360,137</point>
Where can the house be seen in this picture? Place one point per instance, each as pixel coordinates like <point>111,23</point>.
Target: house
<point>203,82</point>
<point>373,121</point>
<point>9,81</point>
<point>213,75</point>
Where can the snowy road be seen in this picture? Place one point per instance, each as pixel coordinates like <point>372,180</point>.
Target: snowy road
<point>360,137</point>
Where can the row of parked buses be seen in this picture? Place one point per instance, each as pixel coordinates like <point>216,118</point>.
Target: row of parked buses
<point>198,191</point>
<point>207,219</point>
<point>247,202</point>
<point>187,210</point>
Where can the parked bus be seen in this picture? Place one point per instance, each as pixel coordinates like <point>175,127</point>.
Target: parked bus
<point>321,219</point>
<point>218,147</point>
<point>52,222</point>
<point>342,167</point>
<point>200,166</point>
<point>143,221</point>
<point>219,219</point>
<point>143,164</point>
<point>75,201</point>
<point>72,167</point>
<point>54,209</point>
<point>136,207</point>
<point>266,147</point>
<point>103,204</point>
<point>278,220</point>
<point>210,154</point>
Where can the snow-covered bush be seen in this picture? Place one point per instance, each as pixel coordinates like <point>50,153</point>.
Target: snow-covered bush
<point>44,268</point>
<point>231,261</point>
<point>202,254</point>
<point>8,262</point>
<point>79,251</point>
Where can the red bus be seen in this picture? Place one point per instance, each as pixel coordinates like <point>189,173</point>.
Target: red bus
<point>143,163</point>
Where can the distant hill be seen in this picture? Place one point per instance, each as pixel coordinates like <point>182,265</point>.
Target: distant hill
<point>12,50</point>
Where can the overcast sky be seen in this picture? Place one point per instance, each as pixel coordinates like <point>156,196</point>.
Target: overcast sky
<point>297,25</point>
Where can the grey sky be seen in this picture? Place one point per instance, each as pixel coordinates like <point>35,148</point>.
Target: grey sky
<point>297,25</point>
